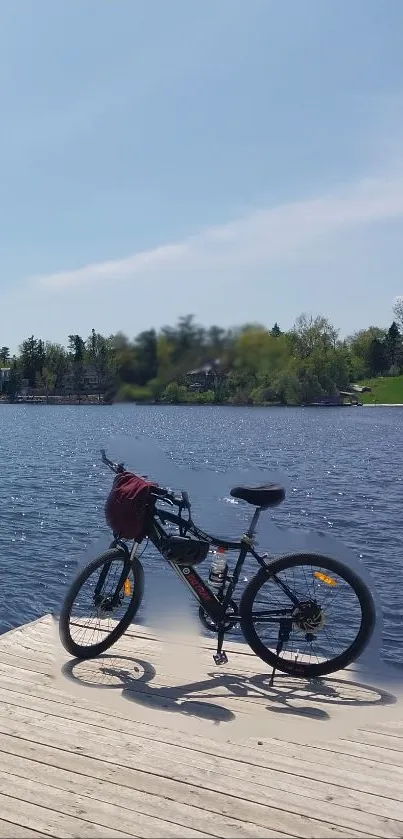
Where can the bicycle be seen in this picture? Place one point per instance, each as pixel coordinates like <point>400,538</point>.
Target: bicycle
<point>300,621</point>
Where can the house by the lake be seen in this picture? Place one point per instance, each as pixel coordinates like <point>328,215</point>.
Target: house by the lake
<point>206,377</point>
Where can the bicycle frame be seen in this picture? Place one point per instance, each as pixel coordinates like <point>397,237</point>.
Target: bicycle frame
<point>215,607</point>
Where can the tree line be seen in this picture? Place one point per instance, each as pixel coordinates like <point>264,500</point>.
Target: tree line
<point>189,363</point>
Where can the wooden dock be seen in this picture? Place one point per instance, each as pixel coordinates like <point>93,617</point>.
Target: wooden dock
<point>151,740</point>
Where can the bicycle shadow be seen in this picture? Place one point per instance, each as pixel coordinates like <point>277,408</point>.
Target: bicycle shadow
<point>108,673</point>
<point>215,697</point>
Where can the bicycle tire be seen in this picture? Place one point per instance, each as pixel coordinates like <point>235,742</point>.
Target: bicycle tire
<point>367,625</point>
<point>92,651</point>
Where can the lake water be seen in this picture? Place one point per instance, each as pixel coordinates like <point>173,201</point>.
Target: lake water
<point>344,470</point>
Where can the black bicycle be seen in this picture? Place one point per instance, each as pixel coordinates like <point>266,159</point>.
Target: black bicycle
<point>304,614</point>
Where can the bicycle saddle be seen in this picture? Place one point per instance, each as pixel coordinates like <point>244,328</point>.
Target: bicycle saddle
<point>268,495</point>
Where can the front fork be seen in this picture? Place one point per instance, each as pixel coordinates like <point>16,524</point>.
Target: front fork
<point>129,556</point>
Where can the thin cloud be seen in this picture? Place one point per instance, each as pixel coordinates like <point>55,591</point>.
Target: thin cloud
<point>276,233</point>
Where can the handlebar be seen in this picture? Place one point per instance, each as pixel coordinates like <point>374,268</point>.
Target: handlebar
<point>178,499</point>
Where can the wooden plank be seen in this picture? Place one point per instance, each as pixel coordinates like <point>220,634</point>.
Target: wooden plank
<point>41,643</point>
<point>41,634</point>
<point>121,710</point>
<point>84,711</point>
<point>46,820</point>
<point>350,749</point>
<point>254,668</point>
<point>382,741</point>
<point>26,628</point>
<point>392,728</point>
<point>20,663</point>
<point>311,753</point>
<point>45,629</point>
<point>9,830</point>
<point>153,645</point>
<point>58,706</point>
<point>96,759</point>
<point>173,815</point>
<point>293,813</point>
<point>126,777</point>
<point>234,704</point>
<point>144,788</point>
<point>95,812</point>
<point>280,820</point>
<point>11,676</point>
<point>162,695</point>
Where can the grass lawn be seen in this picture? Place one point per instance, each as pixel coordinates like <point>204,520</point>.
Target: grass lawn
<point>386,389</point>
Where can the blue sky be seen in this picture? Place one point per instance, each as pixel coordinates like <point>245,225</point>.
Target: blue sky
<point>238,161</point>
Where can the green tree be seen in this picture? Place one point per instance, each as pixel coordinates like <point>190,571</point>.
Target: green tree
<point>378,358</point>
<point>4,356</point>
<point>259,352</point>
<point>146,361</point>
<point>331,368</point>
<point>360,348</point>
<point>393,346</point>
<point>57,363</point>
<point>398,310</point>
<point>175,393</point>
<point>310,388</point>
<point>32,356</point>
<point>216,341</point>
<point>286,387</point>
<point>188,334</point>
<point>101,357</point>
<point>13,385</point>
<point>77,356</point>
<point>313,333</point>
<point>46,381</point>
<point>256,364</point>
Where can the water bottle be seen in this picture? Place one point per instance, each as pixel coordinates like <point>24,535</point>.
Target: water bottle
<point>218,572</point>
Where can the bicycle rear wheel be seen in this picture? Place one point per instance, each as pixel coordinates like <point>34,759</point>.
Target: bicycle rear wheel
<point>101,603</point>
<point>307,615</point>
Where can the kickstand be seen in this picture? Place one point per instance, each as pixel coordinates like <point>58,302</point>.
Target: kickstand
<point>220,657</point>
<point>283,636</point>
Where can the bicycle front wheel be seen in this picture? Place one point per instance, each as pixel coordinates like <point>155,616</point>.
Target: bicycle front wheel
<point>101,603</point>
<point>307,615</point>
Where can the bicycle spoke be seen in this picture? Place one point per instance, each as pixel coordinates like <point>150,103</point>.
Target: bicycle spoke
<point>324,623</point>
<point>89,622</point>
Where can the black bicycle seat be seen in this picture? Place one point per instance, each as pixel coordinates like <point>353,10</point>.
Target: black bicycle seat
<point>268,495</point>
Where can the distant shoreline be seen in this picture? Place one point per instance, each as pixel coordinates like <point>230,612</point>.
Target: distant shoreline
<point>95,403</point>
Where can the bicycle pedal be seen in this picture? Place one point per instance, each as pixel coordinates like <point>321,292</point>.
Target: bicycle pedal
<point>220,658</point>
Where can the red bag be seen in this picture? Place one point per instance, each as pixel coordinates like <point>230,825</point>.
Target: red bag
<point>129,506</point>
